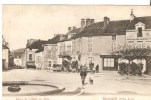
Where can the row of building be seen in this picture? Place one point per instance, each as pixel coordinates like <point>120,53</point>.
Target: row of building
<point>92,42</point>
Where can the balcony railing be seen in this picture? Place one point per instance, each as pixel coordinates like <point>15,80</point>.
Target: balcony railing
<point>65,53</point>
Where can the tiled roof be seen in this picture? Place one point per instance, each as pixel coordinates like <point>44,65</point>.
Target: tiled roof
<point>97,29</point>
<point>65,38</point>
<point>19,50</point>
<point>77,30</point>
<point>146,20</point>
<point>56,39</point>
<point>37,44</point>
<point>40,50</point>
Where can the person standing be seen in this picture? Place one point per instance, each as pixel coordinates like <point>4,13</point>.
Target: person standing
<point>83,74</point>
<point>97,68</point>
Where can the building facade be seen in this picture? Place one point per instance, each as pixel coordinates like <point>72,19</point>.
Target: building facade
<point>19,57</point>
<point>50,55</point>
<point>5,57</point>
<point>138,34</point>
<point>96,42</point>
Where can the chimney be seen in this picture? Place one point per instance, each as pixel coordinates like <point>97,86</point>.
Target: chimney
<point>132,16</point>
<point>92,21</point>
<point>82,23</point>
<point>88,21</point>
<point>69,29</point>
<point>106,21</point>
<point>74,28</point>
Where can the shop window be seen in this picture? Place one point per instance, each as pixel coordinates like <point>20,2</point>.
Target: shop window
<point>108,62</point>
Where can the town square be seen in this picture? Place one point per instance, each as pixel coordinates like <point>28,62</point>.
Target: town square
<point>52,50</point>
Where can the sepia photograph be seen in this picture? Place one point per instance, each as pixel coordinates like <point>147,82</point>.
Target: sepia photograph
<point>76,50</point>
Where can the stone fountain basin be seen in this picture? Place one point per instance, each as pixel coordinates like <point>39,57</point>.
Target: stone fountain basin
<point>30,89</point>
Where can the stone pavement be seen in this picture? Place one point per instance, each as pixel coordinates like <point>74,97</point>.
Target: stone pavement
<point>109,83</point>
<point>106,82</point>
<point>71,81</point>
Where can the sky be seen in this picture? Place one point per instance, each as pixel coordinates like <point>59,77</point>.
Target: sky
<point>22,22</point>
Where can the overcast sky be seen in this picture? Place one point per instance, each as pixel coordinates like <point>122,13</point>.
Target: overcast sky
<point>22,22</point>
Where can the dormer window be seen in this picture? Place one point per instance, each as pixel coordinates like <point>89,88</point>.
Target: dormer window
<point>139,34</point>
<point>140,27</point>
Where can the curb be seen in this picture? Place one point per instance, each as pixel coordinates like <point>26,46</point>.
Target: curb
<point>81,91</point>
<point>57,90</point>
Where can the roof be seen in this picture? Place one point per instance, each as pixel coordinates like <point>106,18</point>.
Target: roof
<point>146,20</point>
<point>19,50</point>
<point>97,29</point>
<point>5,47</point>
<point>40,50</point>
<point>55,39</point>
<point>37,44</point>
<point>77,30</point>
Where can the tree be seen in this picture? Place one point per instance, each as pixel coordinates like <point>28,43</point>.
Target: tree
<point>131,52</point>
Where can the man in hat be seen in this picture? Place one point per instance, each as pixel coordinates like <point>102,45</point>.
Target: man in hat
<point>83,74</point>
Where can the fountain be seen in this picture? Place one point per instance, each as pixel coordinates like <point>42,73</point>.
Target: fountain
<point>22,88</point>
<point>14,88</point>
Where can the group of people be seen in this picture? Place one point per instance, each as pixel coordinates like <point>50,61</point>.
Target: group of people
<point>83,69</point>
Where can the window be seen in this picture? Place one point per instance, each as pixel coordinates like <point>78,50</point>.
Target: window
<point>108,62</point>
<point>139,34</point>
<point>89,47</point>
<point>60,49</point>
<point>69,48</point>
<point>113,37</point>
<point>38,59</point>
<point>30,56</point>
<point>49,63</point>
<point>49,54</point>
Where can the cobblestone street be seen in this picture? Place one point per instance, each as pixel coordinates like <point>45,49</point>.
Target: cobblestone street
<point>104,82</point>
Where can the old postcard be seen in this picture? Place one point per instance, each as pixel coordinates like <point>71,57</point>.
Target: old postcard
<point>89,52</point>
